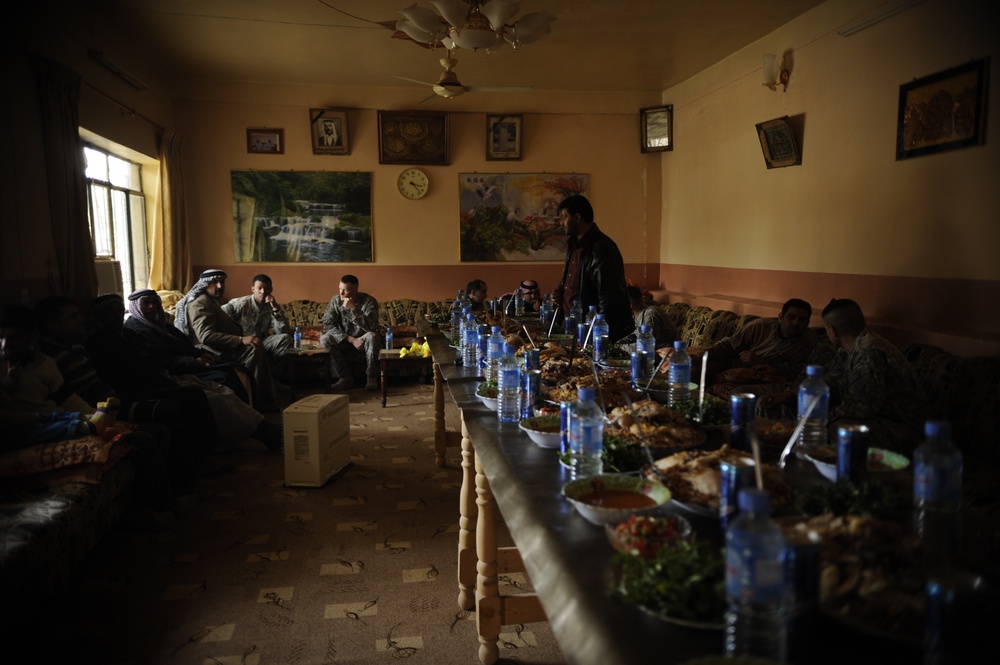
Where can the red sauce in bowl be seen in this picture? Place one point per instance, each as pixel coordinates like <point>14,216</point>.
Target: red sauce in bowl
<point>616,499</point>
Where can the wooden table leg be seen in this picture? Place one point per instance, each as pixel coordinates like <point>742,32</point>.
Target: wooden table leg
<point>468,512</point>
<point>440,432</point>
<point>385,381</point>
<point>488,602</point>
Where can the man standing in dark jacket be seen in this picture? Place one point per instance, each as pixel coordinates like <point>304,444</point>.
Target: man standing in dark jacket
<point>594,272</point>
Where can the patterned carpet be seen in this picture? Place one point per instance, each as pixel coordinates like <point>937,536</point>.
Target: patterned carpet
<point>359,571</point>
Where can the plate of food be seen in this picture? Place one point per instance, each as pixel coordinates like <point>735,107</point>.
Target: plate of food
<point>649,423</point>
<point>645,535</point>
<point>615,363</point>
<point>542,430</point>
<point>880,461</point>
<point>695,481</point>
<point>487,392</point>
<point>610,499</point>
<point>683,584</point>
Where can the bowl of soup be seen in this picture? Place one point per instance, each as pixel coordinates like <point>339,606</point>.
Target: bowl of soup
<point>543,430</point>
<point>611,498</point>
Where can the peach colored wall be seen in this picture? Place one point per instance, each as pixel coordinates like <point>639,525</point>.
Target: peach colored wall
<point>850,214</point>
<point>624,191</point>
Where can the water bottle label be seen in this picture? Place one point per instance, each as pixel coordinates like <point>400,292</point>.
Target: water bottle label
<point>934,484</point>
<point>679,374</point>
<point>751,578</point>
<point>819,411</point>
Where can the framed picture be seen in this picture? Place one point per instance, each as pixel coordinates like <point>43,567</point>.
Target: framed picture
<point>412,137</point>
<point>943,111</point>
<point>503,137</point>
<point>777,142</point>
<point>657,125</point>
<point>302,216</point>
<point>271,141</point>
<point>329,132</point>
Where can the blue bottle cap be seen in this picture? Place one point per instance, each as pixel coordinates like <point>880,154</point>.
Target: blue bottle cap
<point>754,501</point>
<point>645,327</point>
<point>678,345</point>
<point>586,393</point>
<point>600,317</point>
<point>937,429</point>
<point>814,370</point>
<point>497,329</point>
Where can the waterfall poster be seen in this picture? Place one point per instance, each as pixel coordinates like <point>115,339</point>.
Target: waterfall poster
<point>513,216</point>
<point>302,216</point>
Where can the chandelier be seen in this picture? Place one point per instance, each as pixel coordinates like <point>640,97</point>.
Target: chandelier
<point>473,24</point>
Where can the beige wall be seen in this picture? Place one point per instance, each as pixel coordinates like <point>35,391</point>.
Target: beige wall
<point>850,211</point>
<point>624,185</point>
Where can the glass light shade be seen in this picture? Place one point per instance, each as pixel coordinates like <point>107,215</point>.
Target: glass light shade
<point>474,38</point>
<point>532,26</point>
<point>454,11</point>
<point>422,17</point>
<point>498,12</point>
<point>413,32</point>
<point>770,69</point>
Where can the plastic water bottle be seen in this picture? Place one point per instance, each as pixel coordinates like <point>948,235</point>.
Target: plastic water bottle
<point>937,487</point>
<point>508,386</point>
<point>470,342</point>
<point>756,624</point>
<point>297,338</point>
<point>494,349</point>
<point>545,311</point>
<point>646,343</point>
<point>599,335</point>
<point>679,377</point>
<point>814,432</point>
<point>573,317</point>
<point>484,341</point>
<point>456,317</point>
<point>388,338</point>
<point>591,313</point>
<point>586,434</point>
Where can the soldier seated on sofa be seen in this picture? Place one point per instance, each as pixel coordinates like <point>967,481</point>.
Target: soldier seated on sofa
<point>260,315</point>
<point>350,328</point>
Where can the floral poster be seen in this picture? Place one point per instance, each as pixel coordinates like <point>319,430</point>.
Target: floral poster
<point>513,216</point>
<point>302,216</point>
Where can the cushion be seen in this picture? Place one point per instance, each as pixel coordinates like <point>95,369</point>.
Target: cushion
<point>48,456</point>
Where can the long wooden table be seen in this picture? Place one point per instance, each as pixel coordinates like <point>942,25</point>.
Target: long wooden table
<point>567,559</point>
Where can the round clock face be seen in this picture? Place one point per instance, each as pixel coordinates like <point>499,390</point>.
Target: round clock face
<point>412,183</point>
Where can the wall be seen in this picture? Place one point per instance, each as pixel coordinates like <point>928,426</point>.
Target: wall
<point>416,243</point>
<point>914,241</point>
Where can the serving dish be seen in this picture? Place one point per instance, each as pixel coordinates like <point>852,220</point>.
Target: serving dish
<point>644,535</point>
<point>543,430</point>
<point>879,461</point>
<point>610,499</point>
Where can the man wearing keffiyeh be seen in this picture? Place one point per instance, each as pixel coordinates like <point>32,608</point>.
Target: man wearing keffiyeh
<point>200,316</point>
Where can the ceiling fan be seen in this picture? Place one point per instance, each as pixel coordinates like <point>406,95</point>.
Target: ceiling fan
<point>448,85</point>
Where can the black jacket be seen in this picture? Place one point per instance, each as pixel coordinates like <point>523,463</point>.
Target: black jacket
<point>602,281</point>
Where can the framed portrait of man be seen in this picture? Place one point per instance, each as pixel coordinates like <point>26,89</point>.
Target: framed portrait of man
<point>329,132</point>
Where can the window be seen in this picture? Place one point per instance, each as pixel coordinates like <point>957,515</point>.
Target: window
<point>117,213</point>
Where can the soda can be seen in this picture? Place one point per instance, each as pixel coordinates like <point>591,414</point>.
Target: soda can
<point>638,366</point>
<point>531,389</point>
<point>852,453</point>
<point>741,427</point>
<point>581,333</point>
<point>533,359</point>
<point>736,474</point>
<point>802,567</point>
<point>960,609</point>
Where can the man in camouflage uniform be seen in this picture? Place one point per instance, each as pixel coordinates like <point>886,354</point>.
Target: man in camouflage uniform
<point>871,383</point>
<point>260,315</point>
<point>350,327</point>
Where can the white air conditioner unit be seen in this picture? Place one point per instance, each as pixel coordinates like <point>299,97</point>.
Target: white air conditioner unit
<point>109,276</point>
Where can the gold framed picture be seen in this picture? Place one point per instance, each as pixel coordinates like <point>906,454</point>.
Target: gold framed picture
<point>657,126</point>
<point>266,141</point>
<point>503,137</point>
<point>330,134</point>
<point>413,137</point>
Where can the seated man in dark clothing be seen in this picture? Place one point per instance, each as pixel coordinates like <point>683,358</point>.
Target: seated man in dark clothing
<point>127,367</point>
<point>765,351</point>
<point>169,349</point>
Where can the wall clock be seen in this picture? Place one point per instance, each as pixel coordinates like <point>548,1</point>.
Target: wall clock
<point>412,183</point>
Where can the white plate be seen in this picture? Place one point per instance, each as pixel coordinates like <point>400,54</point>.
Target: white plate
<point>693,509</point>
<point>490,402</point>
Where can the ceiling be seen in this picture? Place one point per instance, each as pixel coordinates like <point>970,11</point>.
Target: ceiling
<point>595,45</point>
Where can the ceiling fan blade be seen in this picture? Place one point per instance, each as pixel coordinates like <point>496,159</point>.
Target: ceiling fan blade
<point>474,88</point>
<point>430,99</point>
<point>404,78</point>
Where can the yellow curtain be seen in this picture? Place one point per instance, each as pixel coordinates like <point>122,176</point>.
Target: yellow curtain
<point>170,258</point>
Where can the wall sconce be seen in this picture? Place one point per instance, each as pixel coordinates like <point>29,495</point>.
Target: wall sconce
<point>774,72</point>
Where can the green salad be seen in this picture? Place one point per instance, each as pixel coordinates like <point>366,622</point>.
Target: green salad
<point>686,581</point>
<point>881,500</point>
